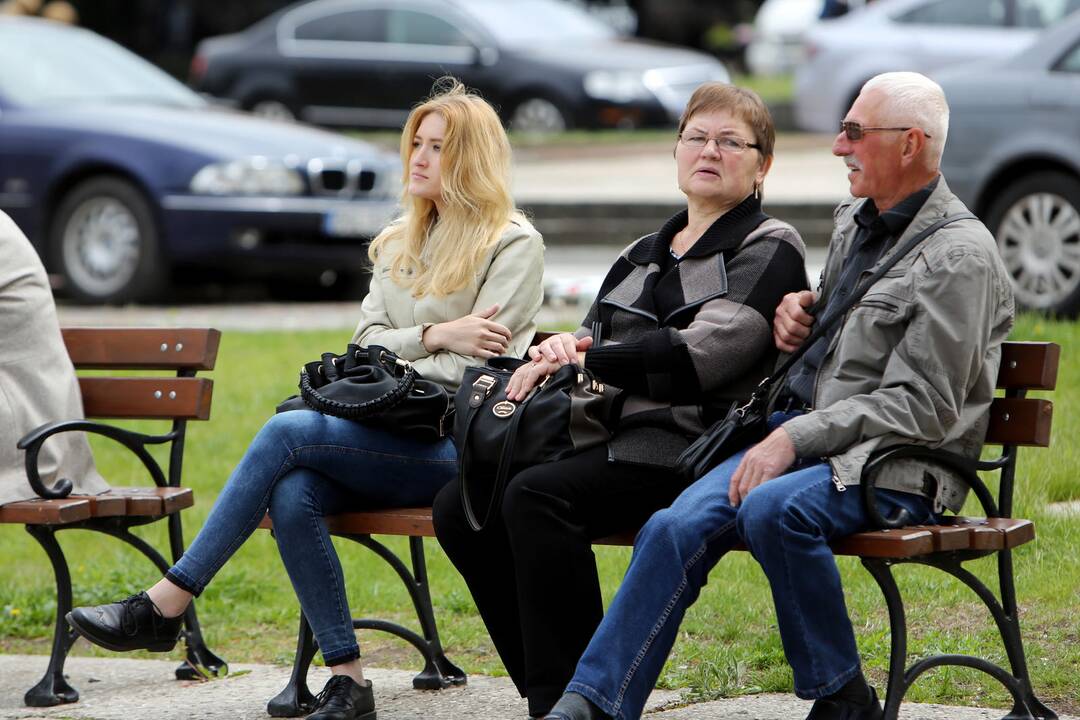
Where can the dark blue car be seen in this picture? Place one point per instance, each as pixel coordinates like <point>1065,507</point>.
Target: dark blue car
<point>123,178</point>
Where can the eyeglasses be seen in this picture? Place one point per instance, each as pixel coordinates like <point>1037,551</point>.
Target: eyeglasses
<point>854,131</point>
<point>725,143</point>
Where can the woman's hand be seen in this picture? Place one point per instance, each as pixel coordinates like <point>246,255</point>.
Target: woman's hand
<point>475,335</point>
<point>528,376</point>
<point>563,349</point>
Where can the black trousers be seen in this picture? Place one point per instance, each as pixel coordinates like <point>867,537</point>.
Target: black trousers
<point>531,570</point>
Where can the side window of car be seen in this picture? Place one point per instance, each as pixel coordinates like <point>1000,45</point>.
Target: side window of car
<point>1041,13</point>
<point>985,13</point>
<point>420,28</point>
<point>1071,62</point>
<point>353,26</point>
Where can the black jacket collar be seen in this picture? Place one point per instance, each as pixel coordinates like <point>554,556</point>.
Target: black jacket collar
<point>725,234</point>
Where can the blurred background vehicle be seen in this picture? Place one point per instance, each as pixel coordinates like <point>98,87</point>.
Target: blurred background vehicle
<point>778,36</point>
<point>919,35</point>
<point>124,178</point>
<point>546,65</point>
<point>1013,155</point>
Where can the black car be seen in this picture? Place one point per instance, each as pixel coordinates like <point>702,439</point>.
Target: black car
<point>545,64</point>
<point>122,177</point>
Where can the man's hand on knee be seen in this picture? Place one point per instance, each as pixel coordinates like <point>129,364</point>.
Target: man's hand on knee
<point>763,462</point>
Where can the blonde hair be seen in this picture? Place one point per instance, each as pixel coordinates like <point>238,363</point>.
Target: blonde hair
<point>440,254</point>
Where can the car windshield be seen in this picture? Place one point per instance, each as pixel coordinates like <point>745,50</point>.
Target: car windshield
<point>529,20</point>
<point>47,65</point>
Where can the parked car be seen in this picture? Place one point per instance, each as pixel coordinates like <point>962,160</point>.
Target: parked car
<point>919,35</point>
<point>779,34</point>
<point>1013,155</point>
<point>545,64</point>
<point>121,175</point>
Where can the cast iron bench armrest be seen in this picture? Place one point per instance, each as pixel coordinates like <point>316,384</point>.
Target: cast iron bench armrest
<point>134,441</point>
<point>962,466</point>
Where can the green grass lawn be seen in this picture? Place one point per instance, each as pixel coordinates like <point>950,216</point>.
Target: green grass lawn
<point>728,644</point>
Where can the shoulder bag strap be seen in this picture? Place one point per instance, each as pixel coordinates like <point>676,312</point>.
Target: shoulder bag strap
<point>854,298</point>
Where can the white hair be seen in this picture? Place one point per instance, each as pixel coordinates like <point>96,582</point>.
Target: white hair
<point>912,99</point>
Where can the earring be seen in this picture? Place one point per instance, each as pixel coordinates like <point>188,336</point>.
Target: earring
<point>757,191</point>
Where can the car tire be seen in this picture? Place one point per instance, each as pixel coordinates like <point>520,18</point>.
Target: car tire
<point>1036,224</point>
<point>104,243</point>
<point>272,109</point>
<point>536,114</point>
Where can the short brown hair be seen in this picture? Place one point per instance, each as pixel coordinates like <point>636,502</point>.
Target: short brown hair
<point>740,102</point>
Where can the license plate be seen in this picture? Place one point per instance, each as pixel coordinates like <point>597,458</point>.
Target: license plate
<point>357,220</point>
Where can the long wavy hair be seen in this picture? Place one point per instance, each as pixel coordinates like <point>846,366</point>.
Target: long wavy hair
<point>441,254</point>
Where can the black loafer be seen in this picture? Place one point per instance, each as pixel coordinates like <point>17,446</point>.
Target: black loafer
<point>342,698</point>
<point>131,624</point>
<point>826,709</point>
<point>572,706</point>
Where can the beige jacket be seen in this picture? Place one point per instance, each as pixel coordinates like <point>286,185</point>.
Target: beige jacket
<point>916,360</point>
<point>512,277</point>
<point>37,380</point>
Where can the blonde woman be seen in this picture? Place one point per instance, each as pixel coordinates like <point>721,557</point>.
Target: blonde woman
<point>457,279</point>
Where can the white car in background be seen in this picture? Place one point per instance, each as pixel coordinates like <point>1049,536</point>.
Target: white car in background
<point>779,31</point>
<point>920,35</point>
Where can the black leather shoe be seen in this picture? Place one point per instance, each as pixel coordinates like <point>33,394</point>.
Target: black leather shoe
<point>131,624</point>
<point>342,698</point>
<point>826,709</point>
<point>572,706</point>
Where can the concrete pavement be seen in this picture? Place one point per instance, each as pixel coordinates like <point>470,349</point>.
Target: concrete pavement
<point>126,689</point>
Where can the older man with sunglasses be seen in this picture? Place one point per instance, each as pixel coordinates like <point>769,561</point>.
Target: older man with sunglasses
<point>913,362</point>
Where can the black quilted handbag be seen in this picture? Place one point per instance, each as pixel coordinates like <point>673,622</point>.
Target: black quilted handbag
<point>373,386</point>
<point>496,437</point>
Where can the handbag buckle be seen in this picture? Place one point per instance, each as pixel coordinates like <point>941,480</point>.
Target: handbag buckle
<point>482,387</point>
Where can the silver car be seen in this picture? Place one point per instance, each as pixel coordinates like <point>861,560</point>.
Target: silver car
<point>1013,155</point>
<point>919,35</point>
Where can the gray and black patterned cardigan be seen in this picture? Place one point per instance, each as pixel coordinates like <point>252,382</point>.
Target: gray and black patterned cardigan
<point>684,339</point>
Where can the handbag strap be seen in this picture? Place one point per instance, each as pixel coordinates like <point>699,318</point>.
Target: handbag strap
<point>506,456</point>
<point>357,411</point>
<point>820,331</point>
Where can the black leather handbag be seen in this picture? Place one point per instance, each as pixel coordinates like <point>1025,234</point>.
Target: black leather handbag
<point>745,425</point>
<point>373,386</point>
<point>495,437</point>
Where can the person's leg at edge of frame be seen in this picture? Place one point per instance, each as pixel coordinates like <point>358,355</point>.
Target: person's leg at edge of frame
<point>788,523</point>
<point>673,554</point>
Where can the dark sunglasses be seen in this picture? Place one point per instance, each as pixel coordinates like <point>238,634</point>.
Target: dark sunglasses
<point>854,131</point>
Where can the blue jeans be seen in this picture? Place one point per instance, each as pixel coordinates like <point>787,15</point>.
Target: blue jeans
<point>303,465</point>
<point>787,523</point>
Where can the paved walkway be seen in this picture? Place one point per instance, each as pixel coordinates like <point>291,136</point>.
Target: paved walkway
<point>124,689</point>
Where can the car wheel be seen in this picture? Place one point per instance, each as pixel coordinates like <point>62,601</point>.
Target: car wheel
<point>538,115</point>
<point>1036,222</point>
<point>105,243</point>
<point>270,109</point>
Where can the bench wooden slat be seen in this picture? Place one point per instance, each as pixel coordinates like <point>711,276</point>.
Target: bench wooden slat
<point>143,348</point>
<point>901,543</point>
<point>153,501</point>
<point>104,505</point>
<point>147,398</point>
<point>995,533</point>
<point>1020,421</point>
<point>1029,366</point>
<point>45,512</point>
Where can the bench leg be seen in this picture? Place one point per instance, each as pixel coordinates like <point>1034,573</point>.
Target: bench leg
<point>199,661</point>
<point>53,689</point>
<point>296,699</point>
<point>1025,705</point>
<point>438,671</point>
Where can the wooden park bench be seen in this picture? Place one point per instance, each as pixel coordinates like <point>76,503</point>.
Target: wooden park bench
<point>1015,421</point>
<point>176,399</point>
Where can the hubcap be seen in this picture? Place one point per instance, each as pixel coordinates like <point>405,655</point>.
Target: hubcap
<point>538,115</point>
<point>1039,241</point>
<point>272,110</point>
<point>101,246</point>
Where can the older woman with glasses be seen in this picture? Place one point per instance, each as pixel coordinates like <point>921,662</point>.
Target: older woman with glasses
<point>683,326</point>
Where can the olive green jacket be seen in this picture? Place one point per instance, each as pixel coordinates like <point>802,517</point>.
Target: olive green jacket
<point>916,360</point>
<point>512,277</point>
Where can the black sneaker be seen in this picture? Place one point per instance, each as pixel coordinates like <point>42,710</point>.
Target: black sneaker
<point>835,709</point>
<point>344,699</point>
<point>131,624</point>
